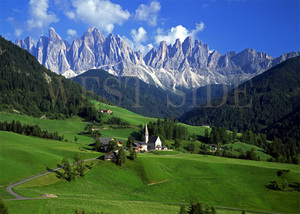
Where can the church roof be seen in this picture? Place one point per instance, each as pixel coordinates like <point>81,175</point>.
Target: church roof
<point>135,144</point>
<point>105,140</point>
<point>153,139</point>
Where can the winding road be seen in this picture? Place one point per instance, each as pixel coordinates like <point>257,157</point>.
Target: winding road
<point>9,189</point>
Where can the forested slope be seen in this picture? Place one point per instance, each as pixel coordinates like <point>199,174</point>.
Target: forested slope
<point>29,88</point>
<point>267,103</point>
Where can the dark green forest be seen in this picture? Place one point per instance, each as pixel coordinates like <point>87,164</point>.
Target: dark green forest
<point>269,103</point>
<point>29,130</point>
<point>145,99</point>
<point>166,129</point>
<point>29,88</point>
<point>280,151</point>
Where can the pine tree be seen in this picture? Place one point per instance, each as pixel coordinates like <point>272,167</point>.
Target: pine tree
<point>177,143</point>
<point>3,208</point>
<point>206,135</point>
<point>121,157</point>
<point>68,173</point>
<point>98,144</point>
<point>79,166</point>
<point>130,141</point>
<point>213,210</point>
<point>133,154</point>
<point>194,137</point>
<point>182,210</point>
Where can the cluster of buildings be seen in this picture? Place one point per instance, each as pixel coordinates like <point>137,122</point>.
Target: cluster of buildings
<point>150,144</point>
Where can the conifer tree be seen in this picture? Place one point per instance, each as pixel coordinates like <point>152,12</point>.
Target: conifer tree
<point>68,173</point>
<point>3,208</point>
<point>79,166</point>
<point>182,210</point>
<point>121,157</point>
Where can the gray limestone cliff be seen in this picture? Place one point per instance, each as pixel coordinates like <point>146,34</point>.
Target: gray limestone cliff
<point>189,64</point>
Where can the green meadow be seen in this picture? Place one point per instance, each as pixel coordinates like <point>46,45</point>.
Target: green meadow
<point>22,156</point>
<point>130,117</point>
<point>246,147</point>
<point>97,206</point>
<point>154,183</point>
<point>173,179</point>
<point>69,127</point>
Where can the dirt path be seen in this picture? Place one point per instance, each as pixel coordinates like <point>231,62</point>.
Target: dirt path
<point>19,197</point>
<point>9,189</point>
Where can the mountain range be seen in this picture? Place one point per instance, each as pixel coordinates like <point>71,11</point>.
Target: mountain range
<point>146,99</point>
<point>268,103</point>
<point>189,64</point>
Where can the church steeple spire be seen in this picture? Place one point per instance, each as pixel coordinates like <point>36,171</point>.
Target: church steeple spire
<point>146,134</point>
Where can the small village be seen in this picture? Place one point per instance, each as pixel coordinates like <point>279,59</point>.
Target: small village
<point>151,143</point>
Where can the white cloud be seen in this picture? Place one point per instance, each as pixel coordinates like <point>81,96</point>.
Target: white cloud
<point>148,13</point>
<point>178,32</point>
<point>99,13</point>
<point>71,32</point>
<point>139,36</point>
<point>199,27</point>
<point>70,14</point>
<point>40,17</point>
<point>144,49</point>
<point>18,32</point>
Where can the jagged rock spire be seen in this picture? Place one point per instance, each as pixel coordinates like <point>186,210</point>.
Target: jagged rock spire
<point>189,64</point>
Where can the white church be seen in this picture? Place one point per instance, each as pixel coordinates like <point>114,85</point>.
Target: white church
<point>150,144</point>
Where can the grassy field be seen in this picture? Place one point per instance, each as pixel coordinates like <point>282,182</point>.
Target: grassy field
<point>69,128</point>
<point>97,206</point>
<point>154,183</point>
<point>246,147</point>
<point>180,179</point>
<point>119,134</point>
<point>166,152</point>
<point>135,119</point>
<point>130,117</point>
<point>22,156</point>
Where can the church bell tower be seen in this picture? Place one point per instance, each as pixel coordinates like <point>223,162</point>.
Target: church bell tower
<point>146,134</point>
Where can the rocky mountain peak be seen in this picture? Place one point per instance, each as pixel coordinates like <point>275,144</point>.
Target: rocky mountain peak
<point>121,42</point>
<point>177,44</point>
<point>187,46</point>
<point>110,37</point>
<point>93,34</point>
<point>187,64</point>
<point>53,35</point>
<point>27,44</point>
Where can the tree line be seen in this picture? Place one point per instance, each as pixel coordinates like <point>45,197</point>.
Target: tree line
<point>71,171</point>
<point>280,151</point>
<point>197,208</point>
<point>268,104</point>
<point>29,130</point>
<point>168,129</point>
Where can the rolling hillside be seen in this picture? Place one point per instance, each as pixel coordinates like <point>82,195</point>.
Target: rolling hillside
<point>152,183</point>
<point>162,179</point>
<point>142,98</point>
<point>268,103</point>
<point>29,88</point>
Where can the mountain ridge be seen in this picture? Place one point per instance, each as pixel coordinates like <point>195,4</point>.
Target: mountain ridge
<point>269,103</point>
<point>189,64</point>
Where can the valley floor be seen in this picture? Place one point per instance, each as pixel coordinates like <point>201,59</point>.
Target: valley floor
<point>175,180</point>
<point>153,183</point>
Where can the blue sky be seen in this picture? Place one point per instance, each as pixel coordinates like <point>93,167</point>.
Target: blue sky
<point>271,26</point>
